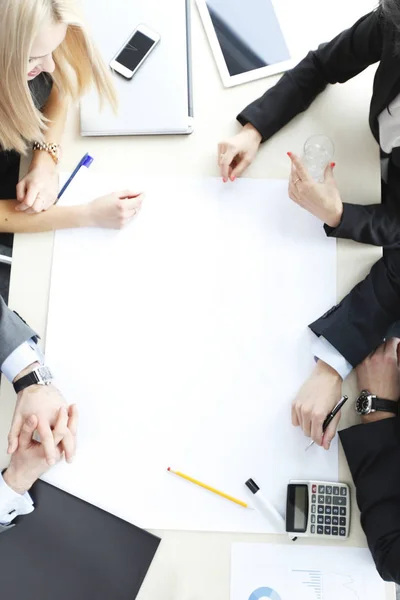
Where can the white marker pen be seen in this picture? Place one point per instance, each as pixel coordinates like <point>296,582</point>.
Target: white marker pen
<point>266,508</point>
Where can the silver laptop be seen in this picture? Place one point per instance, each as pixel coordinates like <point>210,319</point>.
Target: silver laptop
<point>158,99</point>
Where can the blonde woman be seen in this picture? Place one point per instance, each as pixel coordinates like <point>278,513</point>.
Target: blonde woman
<point>46,60</point>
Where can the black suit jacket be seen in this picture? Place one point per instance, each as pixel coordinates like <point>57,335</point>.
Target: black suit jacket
<point>373,454</point>
<point>357,325</point>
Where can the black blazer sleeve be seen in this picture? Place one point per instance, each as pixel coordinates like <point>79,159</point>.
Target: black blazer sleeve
<point>358,324</point>
<point>376,224</point>
<point>373,454</point>
<point>345,56</point>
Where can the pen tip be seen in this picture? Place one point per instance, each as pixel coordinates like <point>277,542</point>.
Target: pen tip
<point>169,468</point>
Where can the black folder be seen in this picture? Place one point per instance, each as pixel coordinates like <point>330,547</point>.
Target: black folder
<point>68,549</point>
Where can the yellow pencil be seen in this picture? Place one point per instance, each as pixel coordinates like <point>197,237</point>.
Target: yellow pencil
<point>209,488</point>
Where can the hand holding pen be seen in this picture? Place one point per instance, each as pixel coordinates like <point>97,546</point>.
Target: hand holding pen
<point>330,417</point>
<point>314,401</point>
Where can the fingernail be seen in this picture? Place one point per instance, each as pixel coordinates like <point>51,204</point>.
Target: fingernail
<point>233,178</point>
<point>51,462</point>
<point>333,165</point>
<point>289,154</point>
<point>224,180</point>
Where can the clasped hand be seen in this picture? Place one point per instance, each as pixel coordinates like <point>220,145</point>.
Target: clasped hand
<point>29,461</point>
<point>45,402</point>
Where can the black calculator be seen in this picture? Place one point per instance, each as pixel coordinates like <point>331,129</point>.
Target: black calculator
<point>318,509</point>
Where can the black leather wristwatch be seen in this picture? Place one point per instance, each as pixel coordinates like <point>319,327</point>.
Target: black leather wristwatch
<point>367,403</point>
<point>40,376</point>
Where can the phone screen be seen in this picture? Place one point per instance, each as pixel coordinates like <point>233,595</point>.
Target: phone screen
<point>135,50</point>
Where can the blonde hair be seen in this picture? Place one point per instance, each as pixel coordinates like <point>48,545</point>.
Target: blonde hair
<point>78,66</point>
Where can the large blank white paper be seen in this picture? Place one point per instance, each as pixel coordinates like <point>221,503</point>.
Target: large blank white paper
<point>184,339</point>
<point>283,572</point>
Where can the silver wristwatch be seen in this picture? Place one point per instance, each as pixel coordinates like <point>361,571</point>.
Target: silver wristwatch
<point>40,376</point>
<point>367,403</point>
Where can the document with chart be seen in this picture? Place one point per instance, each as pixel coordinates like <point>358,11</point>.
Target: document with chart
<point>288,572</point>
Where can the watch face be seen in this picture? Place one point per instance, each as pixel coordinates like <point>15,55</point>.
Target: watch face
<point>363,403</point>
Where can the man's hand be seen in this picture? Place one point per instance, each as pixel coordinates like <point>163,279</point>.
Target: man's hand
<point>29,462</point>
<point>320,199</point>
<point>379,373</point>
<point>315,400</point>
<point>44,401</point>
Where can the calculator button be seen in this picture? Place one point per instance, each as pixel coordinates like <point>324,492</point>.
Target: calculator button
<point>328,489</point>
<point>313,508</point>
<point>320,520</point>
<point>336,491</point>
<point>335,510</point>
<point>342,511</point>
<point>312,528</point>
<point>340,500</point>
<point>343,491</point>
<point>342,521</point>
<point>314,489</point>
<point>335,521</point>
<point>321,489</point>
<point>313,498</point>
<point>328,499</point>
<point>320,530</point>
<point>312,518</point>
<point>320,510</point>
<point>342,531</point>
<point>328,510</point>
<point>321,499</point>
<point>328,520</point>
<point>327,531</point>
<point>335,531</point>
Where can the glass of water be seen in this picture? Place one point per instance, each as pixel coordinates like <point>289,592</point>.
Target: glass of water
<point>318,153</point>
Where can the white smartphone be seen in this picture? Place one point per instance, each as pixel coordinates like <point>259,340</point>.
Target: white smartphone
<point>135,51</point>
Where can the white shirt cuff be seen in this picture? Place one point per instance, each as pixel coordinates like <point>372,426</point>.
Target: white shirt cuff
<point>23,356</point>
<point>324,350</point>
<point>12,504</point>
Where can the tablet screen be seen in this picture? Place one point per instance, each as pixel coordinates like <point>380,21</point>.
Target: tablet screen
<point>248,33</point>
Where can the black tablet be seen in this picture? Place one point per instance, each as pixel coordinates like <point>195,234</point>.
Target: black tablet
<point>68,549</point>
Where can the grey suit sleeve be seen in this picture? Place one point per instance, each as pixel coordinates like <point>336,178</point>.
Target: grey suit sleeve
<point>13,331</point>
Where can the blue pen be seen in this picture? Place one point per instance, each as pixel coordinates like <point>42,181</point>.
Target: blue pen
<point>85,161</point>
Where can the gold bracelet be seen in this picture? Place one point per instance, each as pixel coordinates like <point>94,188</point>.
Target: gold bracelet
<point>52,149</point>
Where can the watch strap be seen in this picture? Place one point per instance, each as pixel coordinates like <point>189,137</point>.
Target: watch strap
<point>41,376</point>
<point>381,404</point>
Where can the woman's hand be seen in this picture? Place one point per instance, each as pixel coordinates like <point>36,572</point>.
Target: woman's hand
<point>320,199</point>
<point>315,400</point>
<point>114,210</point>
<point>38,190</point>
<point>238,152</point>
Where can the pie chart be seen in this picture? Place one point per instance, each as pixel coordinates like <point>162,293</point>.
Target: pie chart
<point>265,592</point>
